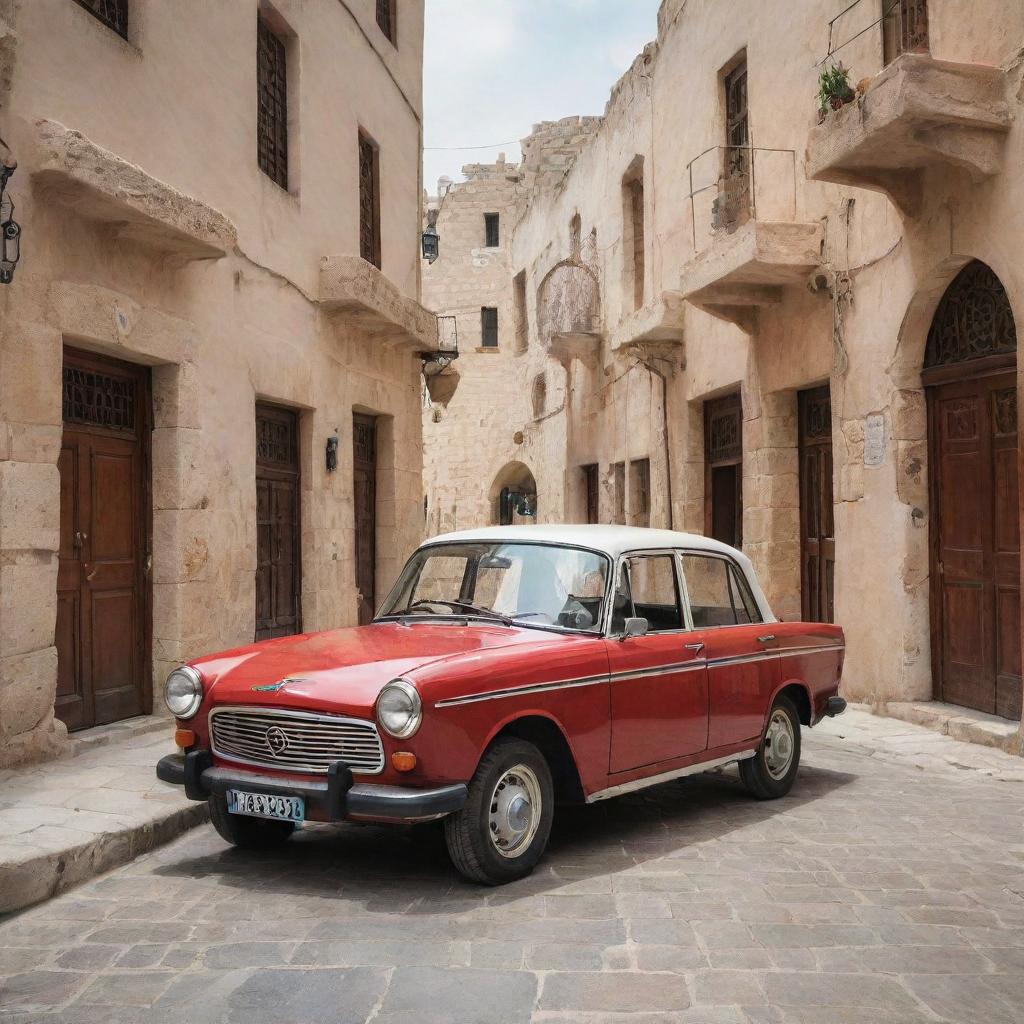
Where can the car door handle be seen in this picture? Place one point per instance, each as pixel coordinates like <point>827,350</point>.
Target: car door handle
<point>696,648</point>
<point>766,639</point>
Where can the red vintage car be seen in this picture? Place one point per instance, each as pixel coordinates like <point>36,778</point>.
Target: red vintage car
<point>509,669</point>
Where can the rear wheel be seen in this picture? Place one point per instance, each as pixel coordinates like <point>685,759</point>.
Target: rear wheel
<point>502,832</point>
<point>248,833</point>
<point>770,773</point>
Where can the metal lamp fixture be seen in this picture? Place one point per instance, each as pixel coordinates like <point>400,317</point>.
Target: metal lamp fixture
<point>431,239</point>
<point>10,230</point>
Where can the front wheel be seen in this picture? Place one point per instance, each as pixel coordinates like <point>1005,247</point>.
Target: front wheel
<point>502,832</point>
<point>770,773</point>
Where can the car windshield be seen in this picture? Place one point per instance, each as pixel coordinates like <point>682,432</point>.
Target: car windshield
<point>531,584</point>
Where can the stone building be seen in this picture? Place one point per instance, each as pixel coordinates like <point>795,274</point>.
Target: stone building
<point>209,352</point>
<point>785,320</point>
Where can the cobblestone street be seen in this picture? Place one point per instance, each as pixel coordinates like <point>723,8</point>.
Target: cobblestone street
<point>887,888</point>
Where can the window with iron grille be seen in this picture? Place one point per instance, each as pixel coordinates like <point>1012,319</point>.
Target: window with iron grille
<point>736,123</point>
<point>113,13</point>
<point>491,234</point>
<point>387,19</point>
<point>489,327</point>
<point>272,104</point>
<point>904,28</point>
<point>369,201</point>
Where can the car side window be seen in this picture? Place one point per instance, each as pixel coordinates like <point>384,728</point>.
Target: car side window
<point>718,596</point>
<point>654,593</point>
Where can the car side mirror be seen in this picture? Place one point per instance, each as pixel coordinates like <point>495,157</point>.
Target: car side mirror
<point>634,627</point>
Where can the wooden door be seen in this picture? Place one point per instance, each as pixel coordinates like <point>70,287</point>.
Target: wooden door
<point>364,461</point>
<point>723,478</point>
<point>817,529</point>
<point>278,531</point>
<point>976,543</point>
<point>590,488</point>
<point>102,631</point>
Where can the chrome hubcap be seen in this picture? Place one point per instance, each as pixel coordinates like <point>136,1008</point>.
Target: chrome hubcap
<point>515,811</point>
<point>779,745</point>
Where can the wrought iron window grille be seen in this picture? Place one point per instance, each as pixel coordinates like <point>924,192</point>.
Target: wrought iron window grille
<point>10,230</point>
<point>113,14</point>
<point>272,104</point>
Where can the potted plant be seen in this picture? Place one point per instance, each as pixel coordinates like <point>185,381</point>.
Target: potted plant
<point>833,89</point>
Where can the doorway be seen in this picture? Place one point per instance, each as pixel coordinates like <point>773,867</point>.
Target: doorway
<point>278,548</point>
<point>723,472</point>
<point>364,462</point>
<point>102,631</point>
<point>817,522</point>
<point>971,384</point>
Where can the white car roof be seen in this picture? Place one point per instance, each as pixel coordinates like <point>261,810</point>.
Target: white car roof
<point>613,541</point>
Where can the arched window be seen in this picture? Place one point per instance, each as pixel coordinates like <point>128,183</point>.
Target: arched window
<point>974,320</point>
<point>540,395</point>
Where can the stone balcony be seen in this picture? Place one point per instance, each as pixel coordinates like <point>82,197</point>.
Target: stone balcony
<point>370,301</point>
<point>916,113</point>
<point>656,325</point>
<point>742,270</point>
<point>73,171</point>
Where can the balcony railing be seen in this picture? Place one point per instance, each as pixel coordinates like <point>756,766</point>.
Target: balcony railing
<point>731,185</point>
<point>868,35</point>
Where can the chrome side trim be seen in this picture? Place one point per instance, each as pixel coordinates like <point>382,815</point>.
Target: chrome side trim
<point>676,773</point>
<point>784,651</point>
<point>518,691</point>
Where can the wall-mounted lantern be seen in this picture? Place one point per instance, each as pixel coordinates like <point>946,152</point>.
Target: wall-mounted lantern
<point>332,453</point>
<point>10,231</point>
<point>431,243</point>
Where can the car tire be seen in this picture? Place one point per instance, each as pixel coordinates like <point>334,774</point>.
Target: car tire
<point>770,773</point>
<point>501,832</point>
<point>245,832</point>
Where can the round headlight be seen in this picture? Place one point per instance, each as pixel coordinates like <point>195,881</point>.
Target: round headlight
<point>183,692</point>
<point>399,709</point>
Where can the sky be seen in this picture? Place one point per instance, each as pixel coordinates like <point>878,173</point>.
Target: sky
<point>492,68</point>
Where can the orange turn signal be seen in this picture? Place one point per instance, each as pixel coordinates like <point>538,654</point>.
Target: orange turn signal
<point>403,761</point>
<point>184,738</point>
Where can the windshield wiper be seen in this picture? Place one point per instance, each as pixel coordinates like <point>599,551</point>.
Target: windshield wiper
<point>471,608</point>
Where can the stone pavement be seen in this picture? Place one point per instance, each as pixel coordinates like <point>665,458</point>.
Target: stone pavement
<point>888,888</point>
<point>69,820</point>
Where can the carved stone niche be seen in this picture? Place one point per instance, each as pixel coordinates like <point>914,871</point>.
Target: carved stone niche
<point>569,312</point>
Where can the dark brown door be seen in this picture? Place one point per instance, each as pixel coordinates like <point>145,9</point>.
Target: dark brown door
<point>817,530</point>
<point>976,543</point>
<point>278,549</point>
<point>723,479</point>
<point>102,632</point>
<point>364,455</point>
<point>590,485</point>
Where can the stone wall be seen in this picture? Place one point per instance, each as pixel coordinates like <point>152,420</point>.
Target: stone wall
<point>151,235</point>
<point>824,281</point>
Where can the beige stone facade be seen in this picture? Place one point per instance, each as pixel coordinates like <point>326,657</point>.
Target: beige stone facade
<point>810,255</point>
<point>151,234</point>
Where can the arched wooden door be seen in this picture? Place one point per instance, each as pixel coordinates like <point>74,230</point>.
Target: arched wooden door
<point>971,380</point>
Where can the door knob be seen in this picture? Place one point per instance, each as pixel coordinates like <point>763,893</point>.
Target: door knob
<point>80,538</point>
<point>89,575</point>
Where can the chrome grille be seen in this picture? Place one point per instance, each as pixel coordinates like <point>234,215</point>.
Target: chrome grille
<point>299,741</point>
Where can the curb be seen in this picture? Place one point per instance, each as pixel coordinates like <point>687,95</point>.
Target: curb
<point>41,876</point>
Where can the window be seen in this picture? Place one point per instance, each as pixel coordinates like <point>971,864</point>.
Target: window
<point>619,493</point>
<point>647,589</point>
<point>489,327</point>
<point>540,395</point>
<point>387,19</point>
<point>590,491</point>
<point>113,13</point>
<point>718,595</point>
<point>904,28</point>
<point>522,320</point>
<point>733,202</point>
<point>575,235</point>
<point>272,104</point>
<point>640,492</point>
<point>492,237</point>
<point>633,231</point>
<point>369,201</point>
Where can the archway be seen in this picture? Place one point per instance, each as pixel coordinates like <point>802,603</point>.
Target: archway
<point>970,379</point>
<point>513,495</point>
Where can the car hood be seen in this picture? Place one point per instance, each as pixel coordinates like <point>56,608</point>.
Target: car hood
<point>343,670</point>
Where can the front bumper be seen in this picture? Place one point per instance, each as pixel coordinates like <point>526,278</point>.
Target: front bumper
<point>335,798</point>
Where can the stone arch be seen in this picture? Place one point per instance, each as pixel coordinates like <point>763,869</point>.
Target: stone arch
<point>513,495</point>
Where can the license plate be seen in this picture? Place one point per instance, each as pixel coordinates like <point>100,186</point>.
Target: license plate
<point>266,805</point>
